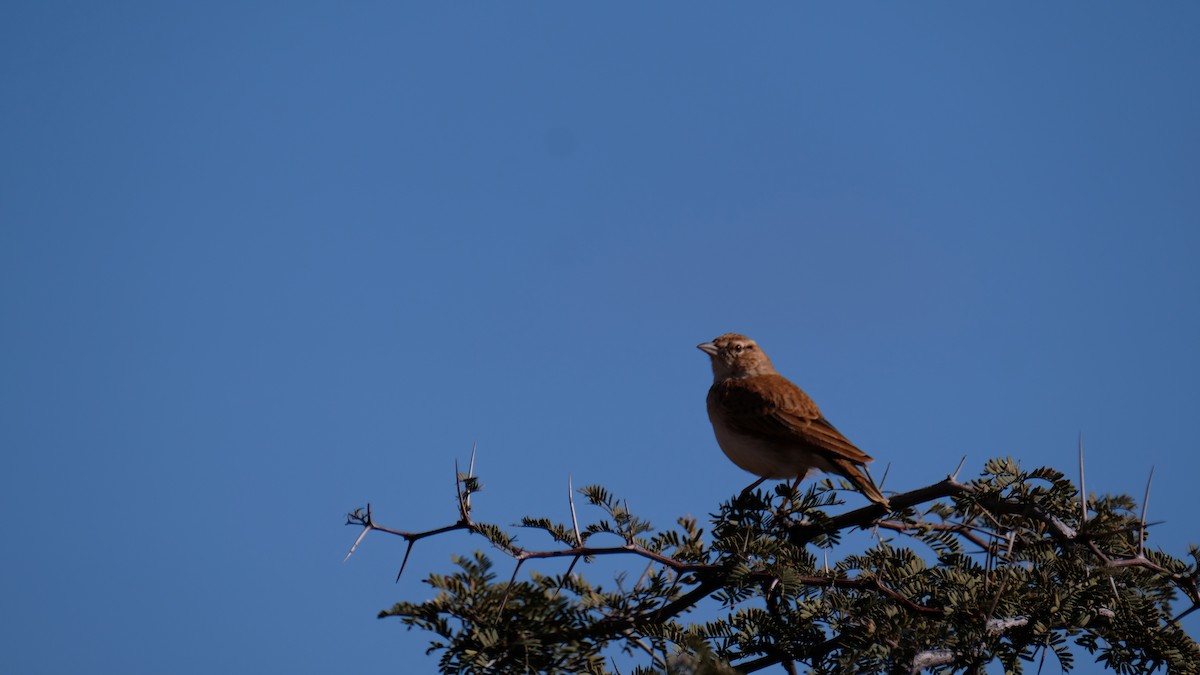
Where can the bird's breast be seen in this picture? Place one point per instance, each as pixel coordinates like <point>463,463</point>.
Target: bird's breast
<point>761,456</point>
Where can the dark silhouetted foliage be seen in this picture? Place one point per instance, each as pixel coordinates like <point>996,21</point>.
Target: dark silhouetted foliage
<point>1006,568</point>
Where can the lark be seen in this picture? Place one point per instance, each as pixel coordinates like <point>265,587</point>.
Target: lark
<point>769,426</point>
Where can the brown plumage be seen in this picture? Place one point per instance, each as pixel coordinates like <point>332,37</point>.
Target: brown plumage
<point>769,426</point>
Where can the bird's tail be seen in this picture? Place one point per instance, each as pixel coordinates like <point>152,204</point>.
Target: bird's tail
<point>858,477</point>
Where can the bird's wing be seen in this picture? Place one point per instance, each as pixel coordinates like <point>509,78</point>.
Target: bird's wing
<point>771,406</point>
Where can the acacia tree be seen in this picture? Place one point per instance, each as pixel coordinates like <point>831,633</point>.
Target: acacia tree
<point>1009,567</point>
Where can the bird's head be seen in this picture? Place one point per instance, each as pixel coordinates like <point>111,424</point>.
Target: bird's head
<point>736,356</point>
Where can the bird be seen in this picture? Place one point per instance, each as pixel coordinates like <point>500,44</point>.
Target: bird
<point>768,426</point>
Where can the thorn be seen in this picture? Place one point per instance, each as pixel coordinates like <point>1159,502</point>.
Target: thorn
<point>1145,505</point>
<point>999,594</point>
<point>571,567</point>
<point>508,591</point>
<point>404,563</point>
<point>471,472</point>
<point>1045,648</point>
<point>574,520</point>
<point>626,530</point>
<point>883,480</point>
<point>988,561</point>
<point>462,505</point>
<point>567,576</point>
<point>645,575</point>
<point>771,587</point>
<point>1185,613</point>
<point>358,541</point>
<point>1083,516</point>
<point>954,476</point>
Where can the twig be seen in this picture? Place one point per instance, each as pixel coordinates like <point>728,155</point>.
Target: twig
<point>931,658</point>
<point>961,529</point>
<point>862,517</point>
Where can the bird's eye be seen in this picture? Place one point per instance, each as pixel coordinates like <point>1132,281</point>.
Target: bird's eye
<point>738,348</point>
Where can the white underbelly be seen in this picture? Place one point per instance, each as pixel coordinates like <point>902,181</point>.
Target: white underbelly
<point>767,459</point>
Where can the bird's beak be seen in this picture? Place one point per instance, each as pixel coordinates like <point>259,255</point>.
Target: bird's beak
<point>708,348</point>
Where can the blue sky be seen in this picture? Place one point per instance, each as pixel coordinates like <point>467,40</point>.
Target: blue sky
<point>260,265</point>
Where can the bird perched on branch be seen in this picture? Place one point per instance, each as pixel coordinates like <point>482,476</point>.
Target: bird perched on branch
<point>769,426</point>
